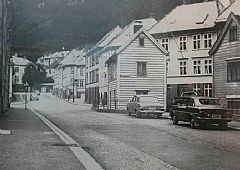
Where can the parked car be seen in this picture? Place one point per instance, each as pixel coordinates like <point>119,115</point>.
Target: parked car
<point>199,111</point>
<point>34,97</point>
<point>146,105</point>
<point>190,93</point>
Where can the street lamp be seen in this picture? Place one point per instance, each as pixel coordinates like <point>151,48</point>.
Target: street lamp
<point>26,89</point>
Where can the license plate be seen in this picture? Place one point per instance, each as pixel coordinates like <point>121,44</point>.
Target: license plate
<point>152,108</point>
<point>216,116</point>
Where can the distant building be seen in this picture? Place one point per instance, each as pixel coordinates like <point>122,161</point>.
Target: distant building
<point>69,76</point>
<point>226,61</point>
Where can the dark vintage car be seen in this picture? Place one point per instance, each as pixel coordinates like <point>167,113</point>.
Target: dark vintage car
<point>199,111</point>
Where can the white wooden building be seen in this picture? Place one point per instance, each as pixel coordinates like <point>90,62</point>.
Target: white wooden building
<point>137,67</point>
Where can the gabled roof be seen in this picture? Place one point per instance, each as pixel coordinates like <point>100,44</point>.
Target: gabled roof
<point>105,40</point>
<point>17,61</point>
<point>231,17</point>
<point>234,8</point>
<point>73,57</point>
<point>127,33</point>
<point>188,17</point>
<point>127,43</point>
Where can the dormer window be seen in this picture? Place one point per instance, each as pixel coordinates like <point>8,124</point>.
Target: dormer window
<point>141,41</point>
<point>233,35</point>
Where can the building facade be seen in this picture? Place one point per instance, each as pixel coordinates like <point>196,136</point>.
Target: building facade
<point>226,62</point>
<point>137,67</point>
<point>188,32</point>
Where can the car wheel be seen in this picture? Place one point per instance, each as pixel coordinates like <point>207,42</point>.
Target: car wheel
<point>193,123</point>
<point>223,125</point>
<point>159,116</point>
<point>138,114</point>
<point>174,120</point>
<point>129,113</point>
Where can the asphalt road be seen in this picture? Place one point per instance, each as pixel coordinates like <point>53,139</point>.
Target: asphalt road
<point>118,141</point>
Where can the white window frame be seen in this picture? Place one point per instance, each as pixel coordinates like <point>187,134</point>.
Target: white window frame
<point>197,67</point>
<point>207,40</point>
<point>81,72</point>
<point>183,67</point>
<point>207,89</point>
<point>208,69</point>
<point>183,43</point>
<point>81,83</point>
<point>196,41</point>
<point>165,43</point>
<point>196,88</point>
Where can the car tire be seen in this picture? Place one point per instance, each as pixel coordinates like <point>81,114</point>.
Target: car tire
<point>159,116</point>
<point>193,123</point>
<point>223,125</point>
<point>138,114</point>
<point>129,113</point>
<point>174,119</point>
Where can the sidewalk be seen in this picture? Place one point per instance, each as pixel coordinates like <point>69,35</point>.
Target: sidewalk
<point>31,144</point>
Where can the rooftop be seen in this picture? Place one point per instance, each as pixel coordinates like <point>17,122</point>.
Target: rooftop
<point>234,8</point>
<point>187,17</point>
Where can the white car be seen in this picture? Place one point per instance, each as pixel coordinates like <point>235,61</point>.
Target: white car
<point>146,105</point>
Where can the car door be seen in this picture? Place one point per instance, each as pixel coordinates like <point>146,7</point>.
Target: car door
<point>131,105</point>
<point>182,113</point>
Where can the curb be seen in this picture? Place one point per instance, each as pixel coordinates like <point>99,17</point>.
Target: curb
<point>84,157</point>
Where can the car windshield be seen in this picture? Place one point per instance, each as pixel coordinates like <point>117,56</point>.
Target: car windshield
<point>209,101</point>
<point>148,99</point>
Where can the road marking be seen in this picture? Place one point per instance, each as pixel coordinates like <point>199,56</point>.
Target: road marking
<point>88,162</point>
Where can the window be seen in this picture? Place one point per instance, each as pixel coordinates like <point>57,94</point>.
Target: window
<point>16,69</point>
<point>208,66</point>
<point>72,70</point>
<point>197,67</point>
<point>196,88</point>
<point>167,67</point>
<point>112,70</point>
<point>16,79</point>
<point>233,71</point>
<point>97,75</point>
<point>207,39</point>
<point>207,90</point>
<point>165,43</point>
<point>183,42</point>
<point>182,88</point>
<point>86,62</point>
<point>71,80</point>
<point>140,92</point>
<point>196,42</point>
<point>183,67</point>
<point>81,71</point>
<point>141,41</point>
<point>141,68</point>
<point>233,34</point>
<point>87,78</point>
<point>81,83</point>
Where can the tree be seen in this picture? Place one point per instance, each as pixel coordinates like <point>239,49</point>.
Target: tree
<point>34,75</point>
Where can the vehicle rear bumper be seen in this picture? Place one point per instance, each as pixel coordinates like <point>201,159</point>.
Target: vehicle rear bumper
<point>213,120</point>
<point>153,112</point>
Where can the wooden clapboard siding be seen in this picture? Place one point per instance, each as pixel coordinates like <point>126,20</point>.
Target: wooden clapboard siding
<point>128,79</point>
<point>225,51</point>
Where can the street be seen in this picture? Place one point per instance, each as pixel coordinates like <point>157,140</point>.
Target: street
<point>119,141</point>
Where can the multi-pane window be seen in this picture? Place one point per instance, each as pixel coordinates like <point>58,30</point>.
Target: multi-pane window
<point>165,43</point>
<point>72,70</point>
<point>197,67</point>
<point>208,66</point>
<point>97,75</point>
<point>141,41</point>
<point>141,68</point>
<point>207,40</point>
<point>207,90</point>
<point>183,42</point>
<point>233,71</point>
<point>141,92</point>
<point>183,67</point>
<point>16,69</point>
<point>197,41</point>
<point>112,71</point>
<point>233,34</point>
<point>81,83</point>
<point>196,88</point>
<point>81,71</point>
<point>16,79</point>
